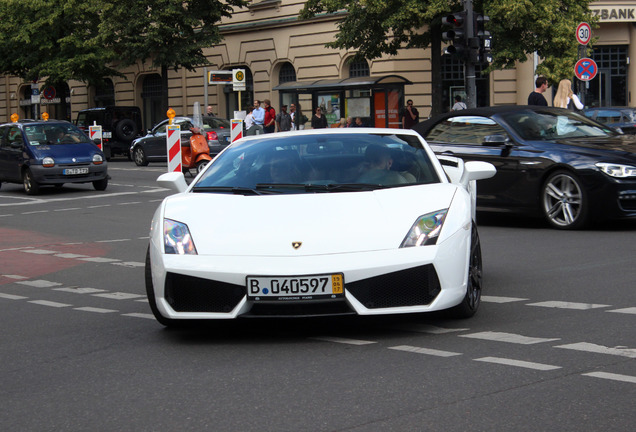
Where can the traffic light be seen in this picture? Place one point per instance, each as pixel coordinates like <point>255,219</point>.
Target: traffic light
<point>457,34</point>
<point>485,39</point>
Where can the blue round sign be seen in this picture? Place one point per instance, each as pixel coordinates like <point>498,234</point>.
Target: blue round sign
<point>585,69</point>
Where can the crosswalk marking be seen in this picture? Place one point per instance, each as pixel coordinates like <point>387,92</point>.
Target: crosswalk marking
<point>39,283</point>
<point>119,296</point>
<point>140,315</point>
<point>94,309</point>
<point>568,305</point>
<point>12,296</point>
<point>612,376</point>
<point>497,299</point>
<point>518,363</point>
<point>630,310</point>
<point>427,351</point>
<point>426,328</point>
<point>600,349</point>
<point>79,290</point>
<point>342,340</point>
<point>508,337</point>
<point>49,303</point>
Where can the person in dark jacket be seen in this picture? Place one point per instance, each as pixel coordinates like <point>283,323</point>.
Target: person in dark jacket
<point>318,120</point>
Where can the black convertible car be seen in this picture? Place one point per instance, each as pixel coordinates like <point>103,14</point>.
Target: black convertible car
<point>549,161</point>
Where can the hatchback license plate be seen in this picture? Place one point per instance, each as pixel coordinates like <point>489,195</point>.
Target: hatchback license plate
<point>284,288</point>
<point>75,171</point>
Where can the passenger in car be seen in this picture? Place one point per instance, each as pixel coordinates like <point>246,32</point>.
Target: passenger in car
<point>284,167</point>
<point>377,167</point>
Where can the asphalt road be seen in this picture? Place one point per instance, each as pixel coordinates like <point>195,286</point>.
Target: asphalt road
<point>553,347</point>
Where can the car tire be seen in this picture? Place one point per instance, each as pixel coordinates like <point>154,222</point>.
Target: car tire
<point>564,201</point>
<point>101,185</point>
<point>31,187</point>
<point>150,292</point>
<point>126,130</point>
<point>469,305</point>
<point>139,156</point>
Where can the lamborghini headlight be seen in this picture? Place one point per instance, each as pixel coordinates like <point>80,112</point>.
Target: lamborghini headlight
<point>617,170</point>
<point>425,230</point>
<point>177,238</point>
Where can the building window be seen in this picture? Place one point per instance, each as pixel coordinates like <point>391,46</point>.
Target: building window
<point>286,73</point>
<point>610,85</point>
<point>151,95</point>
<point>453,82</point>
<point>105,94</point>
<point>358,68</point>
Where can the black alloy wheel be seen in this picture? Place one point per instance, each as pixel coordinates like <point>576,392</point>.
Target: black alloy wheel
<point>468,307</point>
<point>564,201</point>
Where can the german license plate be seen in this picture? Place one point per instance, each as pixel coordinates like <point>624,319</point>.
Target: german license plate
<point>329,286</point>
<point>75,171</point>
<point>106,134</point>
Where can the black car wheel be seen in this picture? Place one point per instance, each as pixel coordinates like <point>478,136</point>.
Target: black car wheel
<point>101,185</point>
<point>150,292</point>
<point>468,307</point>
<point>31,187</point>
<point>139,156</point>
<point>564,201</point>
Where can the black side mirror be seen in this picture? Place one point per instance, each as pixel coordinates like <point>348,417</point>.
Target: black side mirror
<point>496,140</point>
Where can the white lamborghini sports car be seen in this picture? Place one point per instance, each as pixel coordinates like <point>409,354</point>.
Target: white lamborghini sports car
<point>318,222</point>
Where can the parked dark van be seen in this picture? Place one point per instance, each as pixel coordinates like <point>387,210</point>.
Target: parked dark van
<point>120,125</point>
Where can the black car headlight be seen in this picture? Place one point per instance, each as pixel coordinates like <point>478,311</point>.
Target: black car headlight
<point>177,239</point>
<point>425,230</point>
<point>617,170</point>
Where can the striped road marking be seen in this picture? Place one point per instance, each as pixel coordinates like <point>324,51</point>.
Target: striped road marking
<point>611,376</point>
<point>496,299</point>
<point>518,363</point>
<point>568,305</point>
<point>508,337</point>
<point>427,351</point>
<point>342,340</point>
<point>630,310</point>
<point>600,349</point>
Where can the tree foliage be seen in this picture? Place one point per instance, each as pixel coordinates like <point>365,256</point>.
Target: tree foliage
<point>87,41</point>
<point>169,33</point>
<point>57,39</point>
<point>518,27</point>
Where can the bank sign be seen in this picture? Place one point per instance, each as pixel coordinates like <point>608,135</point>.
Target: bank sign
<point>614,13</point>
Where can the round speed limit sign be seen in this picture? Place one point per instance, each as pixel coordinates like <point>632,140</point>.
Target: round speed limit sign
<point>583,33</point>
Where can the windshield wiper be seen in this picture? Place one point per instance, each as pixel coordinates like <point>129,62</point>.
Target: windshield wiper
<point>317,187</point>
<point>236,190</point>
<point>346,187</point>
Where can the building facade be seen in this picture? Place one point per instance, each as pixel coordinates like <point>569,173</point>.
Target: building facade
<point>279,52</point>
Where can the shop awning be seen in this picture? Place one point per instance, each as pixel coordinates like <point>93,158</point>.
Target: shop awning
<point>341,84</point>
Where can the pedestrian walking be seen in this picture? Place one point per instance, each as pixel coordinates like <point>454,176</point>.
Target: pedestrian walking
<point>536,97</point>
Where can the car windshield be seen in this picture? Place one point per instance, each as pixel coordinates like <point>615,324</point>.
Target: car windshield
<point>54,134</point>
<point>319,163</point>
<point>210,123</point>
<point>551,125</point>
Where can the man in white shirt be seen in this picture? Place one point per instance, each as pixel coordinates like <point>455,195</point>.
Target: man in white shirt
<point>258,114</point>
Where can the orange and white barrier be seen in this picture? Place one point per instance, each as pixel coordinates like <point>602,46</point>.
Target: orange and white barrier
<point>173,141</point>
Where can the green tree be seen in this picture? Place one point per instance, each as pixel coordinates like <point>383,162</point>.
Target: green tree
<point>56,39</point>
<point>518,28</point>
<point>62,40</point>
<point>168,33</point>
